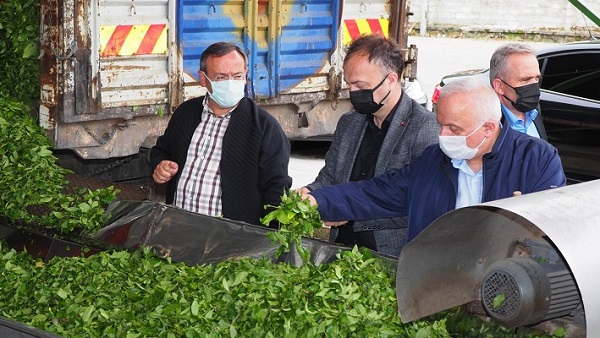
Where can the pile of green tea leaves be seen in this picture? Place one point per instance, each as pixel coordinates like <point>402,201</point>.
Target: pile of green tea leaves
<point>19,35</point>
<point>136,294</point>
<point>31,178</point>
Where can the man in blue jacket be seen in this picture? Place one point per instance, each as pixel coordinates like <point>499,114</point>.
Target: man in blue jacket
<point>477,160</point>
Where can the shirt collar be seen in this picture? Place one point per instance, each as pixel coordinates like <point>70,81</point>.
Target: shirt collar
<point>207,111</point>
<point>463,166</point>
<point>513,121</point>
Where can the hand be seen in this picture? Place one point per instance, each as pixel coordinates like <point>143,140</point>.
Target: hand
<point>303,191</point>
<point>334,224</point>
<point>164,171</point>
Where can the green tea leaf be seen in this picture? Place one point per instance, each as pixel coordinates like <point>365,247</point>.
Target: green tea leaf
<point>194,308</point>
<point>61,293</point>
<point>498,300</point>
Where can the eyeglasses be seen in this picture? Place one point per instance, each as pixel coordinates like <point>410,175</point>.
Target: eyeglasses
<point>220,78</point>
<point>225,78</point>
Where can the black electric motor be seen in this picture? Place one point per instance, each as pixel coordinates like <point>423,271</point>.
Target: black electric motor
<point>524,290</point>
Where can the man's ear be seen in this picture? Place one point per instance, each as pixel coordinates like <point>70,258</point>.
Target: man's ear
<point>203,80</point>
<point>394,77</point>
<point>490,128</point>
<point>497,85</point>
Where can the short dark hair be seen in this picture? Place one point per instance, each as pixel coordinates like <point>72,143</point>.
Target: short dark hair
<point>219,49</point>
<point>381,51</point>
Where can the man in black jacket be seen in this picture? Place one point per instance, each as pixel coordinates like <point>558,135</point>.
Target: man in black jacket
<point>515,76</point>
<point>221,154</point>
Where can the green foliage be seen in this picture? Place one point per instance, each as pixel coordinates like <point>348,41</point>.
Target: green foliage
<point>31,178</point>
<point>136,294</point>
<point>296,218</point>
<point>469,326</point>
<point>29,175</point>
<point>243,298</point>
<point>19,34</point>
<point>82,210</point>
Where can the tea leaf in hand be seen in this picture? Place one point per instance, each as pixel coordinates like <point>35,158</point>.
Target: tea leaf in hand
<point>296,218</point>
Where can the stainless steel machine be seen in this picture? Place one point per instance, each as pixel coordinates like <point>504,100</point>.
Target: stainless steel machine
<point>525,260</point>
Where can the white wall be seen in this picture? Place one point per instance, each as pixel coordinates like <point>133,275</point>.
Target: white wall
<point>558,16</point>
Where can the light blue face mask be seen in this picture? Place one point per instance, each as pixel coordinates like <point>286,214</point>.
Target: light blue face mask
<point>227,93</point>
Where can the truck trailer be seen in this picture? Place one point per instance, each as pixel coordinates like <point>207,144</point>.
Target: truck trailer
<point>113,72</point>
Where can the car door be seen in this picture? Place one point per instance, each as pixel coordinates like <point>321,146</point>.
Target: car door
<point>570,104</point>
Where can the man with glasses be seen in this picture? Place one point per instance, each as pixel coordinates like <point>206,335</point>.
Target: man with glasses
<point>221,154</point>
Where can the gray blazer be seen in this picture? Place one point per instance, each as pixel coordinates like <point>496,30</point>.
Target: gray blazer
<point>412,129</point>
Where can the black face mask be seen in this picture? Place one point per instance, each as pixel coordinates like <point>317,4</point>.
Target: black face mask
<point>362,100</point>
<point>528,96</point>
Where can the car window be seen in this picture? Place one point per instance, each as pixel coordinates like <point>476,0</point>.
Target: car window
<point>575,74</point>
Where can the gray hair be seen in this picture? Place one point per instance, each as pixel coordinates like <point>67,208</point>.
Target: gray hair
<point>219,49</point>
<point>499,60</point>
<point>479,94</point>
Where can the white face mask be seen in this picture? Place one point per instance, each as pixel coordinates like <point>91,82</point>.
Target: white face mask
<point>227,93</point>
<point>456,147</point>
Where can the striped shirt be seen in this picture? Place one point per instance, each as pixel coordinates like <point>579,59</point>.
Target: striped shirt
<point>199,187</point>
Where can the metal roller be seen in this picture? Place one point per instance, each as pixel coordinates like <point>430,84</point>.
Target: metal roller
<point>527,259</point>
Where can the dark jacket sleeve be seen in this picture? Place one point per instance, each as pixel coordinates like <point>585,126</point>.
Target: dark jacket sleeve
<point>254,164</point>
<point>547,172</point>
<point>520,162</point>
<point>175,141</point>
<point>379,197</point>
<point>161,150</point>
<point>273,163</point>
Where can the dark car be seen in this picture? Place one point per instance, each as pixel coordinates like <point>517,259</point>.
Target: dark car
<point>570,104</point>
